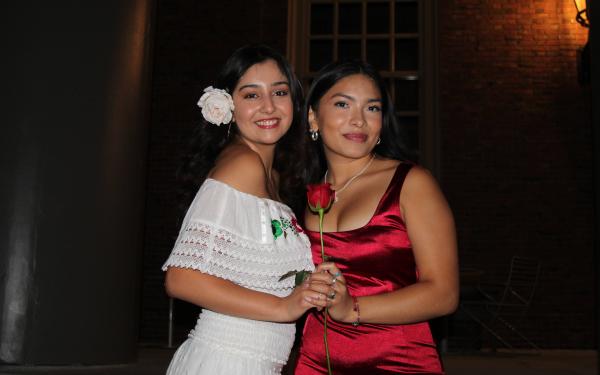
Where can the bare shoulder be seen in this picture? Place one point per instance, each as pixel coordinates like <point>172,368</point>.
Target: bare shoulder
<point>421,188</point>
<point>241,168</point>
<point>419,177</point>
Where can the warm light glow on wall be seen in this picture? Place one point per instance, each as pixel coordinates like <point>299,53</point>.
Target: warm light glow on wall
<point>583,54</point>
<point>570,28</point>
<point>581,17</point>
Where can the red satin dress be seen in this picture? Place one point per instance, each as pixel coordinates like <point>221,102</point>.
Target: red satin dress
<point>376,258</point>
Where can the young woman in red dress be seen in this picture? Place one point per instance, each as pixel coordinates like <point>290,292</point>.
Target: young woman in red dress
<point>390,235</point>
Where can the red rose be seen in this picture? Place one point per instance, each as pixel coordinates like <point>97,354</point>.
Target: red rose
<point>320,196</point>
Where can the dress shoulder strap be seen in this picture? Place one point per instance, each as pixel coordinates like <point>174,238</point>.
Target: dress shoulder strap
<point>391,197</point>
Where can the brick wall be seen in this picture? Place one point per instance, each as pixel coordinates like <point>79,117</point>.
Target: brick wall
<point>516,152</point>
<point>193,39</point>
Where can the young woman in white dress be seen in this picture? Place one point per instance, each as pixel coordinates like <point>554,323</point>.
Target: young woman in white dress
<point>240,235</point>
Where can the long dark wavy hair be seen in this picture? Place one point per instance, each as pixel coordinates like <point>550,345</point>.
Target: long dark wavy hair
<point>209,140</point>
<point>393,143</point>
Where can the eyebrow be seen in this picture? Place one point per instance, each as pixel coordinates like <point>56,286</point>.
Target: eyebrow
<point>254,85</point>
<point>353,99</point>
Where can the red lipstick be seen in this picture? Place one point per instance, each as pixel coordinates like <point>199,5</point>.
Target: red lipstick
<point>356,137</point>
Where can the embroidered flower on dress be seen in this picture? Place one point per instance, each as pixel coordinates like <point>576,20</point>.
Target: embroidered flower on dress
<point>283,226</point>
<point>296,226</point>
<point>276,228</point>
<point>217,106</point>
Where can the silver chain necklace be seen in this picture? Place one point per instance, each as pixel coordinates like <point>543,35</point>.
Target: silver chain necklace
<point>351,179</point>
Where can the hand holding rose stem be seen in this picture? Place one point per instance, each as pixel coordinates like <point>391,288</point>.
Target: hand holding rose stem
<point>320,198</point>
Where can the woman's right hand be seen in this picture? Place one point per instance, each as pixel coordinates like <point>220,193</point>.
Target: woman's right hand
<point>300,300</point>
<point>328,279</point>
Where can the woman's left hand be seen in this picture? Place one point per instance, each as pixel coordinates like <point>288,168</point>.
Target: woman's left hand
<point>329,280</point>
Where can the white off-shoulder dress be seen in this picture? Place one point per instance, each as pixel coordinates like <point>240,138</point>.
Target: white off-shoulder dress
<point>252,242</point>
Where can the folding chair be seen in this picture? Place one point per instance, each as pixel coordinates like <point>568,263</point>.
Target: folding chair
<point>500,307</point>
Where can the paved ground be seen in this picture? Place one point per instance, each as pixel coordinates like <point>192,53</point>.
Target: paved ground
<point>153,361</point>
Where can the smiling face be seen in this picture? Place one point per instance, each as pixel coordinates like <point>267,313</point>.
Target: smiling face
<point>349,117</point>
<point>263,104</point>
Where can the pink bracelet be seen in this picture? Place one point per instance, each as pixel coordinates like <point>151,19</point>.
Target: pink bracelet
<point>356,308</point>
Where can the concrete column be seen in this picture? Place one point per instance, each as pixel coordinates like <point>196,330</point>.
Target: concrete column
<point>74,121</point>
<point>593,12</point>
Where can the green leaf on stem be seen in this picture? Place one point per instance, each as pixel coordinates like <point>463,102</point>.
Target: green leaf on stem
<point>288,274</point>
<point>300,276</point>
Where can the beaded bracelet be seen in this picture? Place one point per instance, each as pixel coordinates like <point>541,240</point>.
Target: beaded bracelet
<point>356,308</point>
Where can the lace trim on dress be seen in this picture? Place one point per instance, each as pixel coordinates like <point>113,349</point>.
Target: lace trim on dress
<point>221,253</point>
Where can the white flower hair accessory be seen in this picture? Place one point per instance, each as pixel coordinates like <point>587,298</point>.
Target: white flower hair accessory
<point>217,106</point>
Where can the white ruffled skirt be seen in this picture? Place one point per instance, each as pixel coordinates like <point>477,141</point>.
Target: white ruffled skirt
<point>222,344</point>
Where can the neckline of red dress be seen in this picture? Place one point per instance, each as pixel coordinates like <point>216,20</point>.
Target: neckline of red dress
<point>376,212</point>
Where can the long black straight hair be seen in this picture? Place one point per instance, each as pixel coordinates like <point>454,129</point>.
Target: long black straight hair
<point>209,140</point>
<point>393,143</point>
